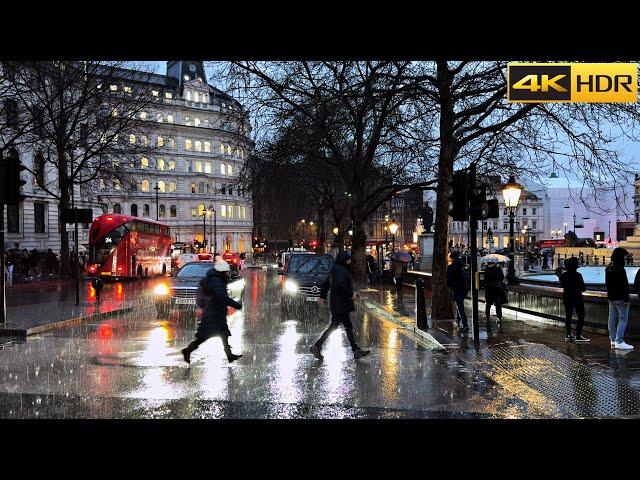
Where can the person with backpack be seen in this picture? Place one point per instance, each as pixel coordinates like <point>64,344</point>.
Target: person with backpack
<point>341,303</point>
<point>572,288</point>
<point>618,296</point>
<point>213,322</point>
<point>494,291</point>
<point>459,283</point>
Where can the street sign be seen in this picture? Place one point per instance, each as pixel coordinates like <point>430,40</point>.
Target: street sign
<point>85,215</point>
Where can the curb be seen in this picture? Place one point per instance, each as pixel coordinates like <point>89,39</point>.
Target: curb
<point>23,333</point>
<point>406,323</point>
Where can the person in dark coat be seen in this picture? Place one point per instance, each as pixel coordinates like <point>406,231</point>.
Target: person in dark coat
<point>572,288</point>
<point>618,296</point>
<point>213,322</point>
<point>459,285</point>
<point>371,268</point>
<point>341,303</point>
<point>494,292</point>
<point>51,261</point>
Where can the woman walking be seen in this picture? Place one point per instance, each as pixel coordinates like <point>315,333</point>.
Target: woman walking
<point>618,296</point>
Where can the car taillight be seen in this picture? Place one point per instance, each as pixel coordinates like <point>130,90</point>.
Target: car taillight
<point>119,269</point>
<point>92,268</point>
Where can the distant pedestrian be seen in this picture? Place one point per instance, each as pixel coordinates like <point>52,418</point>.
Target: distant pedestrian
<point>572,288</point>
<point>459,283</point>
<point>618,296</point>
<point>545,264</point>
<point>51,262</point>
<point>494,291</point>
<point>397,267</point>
<point>213,321</point>
<point>9,265</point>
<point>371,268</point>
<point>341,303</point>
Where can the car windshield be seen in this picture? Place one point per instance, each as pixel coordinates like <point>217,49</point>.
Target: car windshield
<point>310,264</point>
<point>194,270</point>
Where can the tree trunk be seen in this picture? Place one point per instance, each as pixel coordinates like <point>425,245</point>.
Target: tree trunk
<point>358,254</point>
<point>63,185</point>
<point>441,304</point>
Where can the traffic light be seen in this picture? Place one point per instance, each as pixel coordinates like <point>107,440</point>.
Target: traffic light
<point>458,197</point>
<point>482,208</point>
<point>11,182</point>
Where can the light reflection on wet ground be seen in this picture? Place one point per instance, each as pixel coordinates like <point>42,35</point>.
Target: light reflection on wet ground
<point>130,367</point>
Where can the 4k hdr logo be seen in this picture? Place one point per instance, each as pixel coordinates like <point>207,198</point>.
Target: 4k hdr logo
<point>573,82</point>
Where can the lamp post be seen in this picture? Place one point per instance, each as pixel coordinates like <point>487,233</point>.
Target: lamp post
<point>204,227</point>
<point>393,228</point>
<point>157,188</point>
<point>511,192</point>
<point>489,238</point>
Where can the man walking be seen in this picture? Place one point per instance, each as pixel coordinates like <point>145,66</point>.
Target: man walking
<point>618,296</point>
<point>572,288</point>
<point>458,282</point>
<point>341,303</point>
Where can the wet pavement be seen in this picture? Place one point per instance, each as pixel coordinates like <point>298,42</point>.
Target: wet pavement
<point>130,366</point>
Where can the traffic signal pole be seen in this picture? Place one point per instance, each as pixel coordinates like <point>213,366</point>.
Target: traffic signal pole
<point>3,296</point>
<point>473,243</point>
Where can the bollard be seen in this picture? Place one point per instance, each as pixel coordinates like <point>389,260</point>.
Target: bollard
<point>421,307</point>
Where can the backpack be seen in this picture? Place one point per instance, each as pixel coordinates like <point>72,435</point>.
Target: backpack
<point>202,296</point>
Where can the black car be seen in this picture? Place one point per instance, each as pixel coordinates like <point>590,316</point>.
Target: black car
<point>179,291</point>
<point>303,276</point>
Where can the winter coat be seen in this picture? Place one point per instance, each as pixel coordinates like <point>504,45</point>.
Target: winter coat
<point>341,285</point>
<point>214,318</point>
<point>616,277</point>
<point>457,279</point>
<point>571,280</point>
<point>494,291</point>
<point>398,268</point>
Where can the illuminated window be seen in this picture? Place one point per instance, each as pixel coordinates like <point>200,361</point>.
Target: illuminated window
<point>244,213</point>
<point>196,122</point>
<point>171,165</point>
<point>168,95</point>
<point>132,138</point>
<point>173,211</point>
<point>223,211</point>
<point>189,95</point>
<point>144,162</point>
<point>172,187</point>
<point>207,146</point>
<point>155,93</point>
<point>187,144</point>
<point>113,88</point>
<point>196,97</point>
<point>198,146</point>
<point>170,118</point>
<point>207,167</point>
<point>127,89</point>
<point>161,211</point>
<point>144,140</point>
<point>144,185</point>
<point>186,78</point>
<point>102,185</point>
<point>161,186</point>
<point>200,209</point>
<point>193,187</point>
<point>230,210</point>
<point>172,143</point>
<point>116,184</point>
<point>229,170</point>
<point>198,167</point>
<point>160,142</point>
<point>143,115</point>
<point>223,169</point>
<point>228,149</point>
<point>159,117</point>
<point>222,148</point>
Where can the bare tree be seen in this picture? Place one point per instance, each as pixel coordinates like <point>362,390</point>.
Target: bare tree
<point>85,125</point>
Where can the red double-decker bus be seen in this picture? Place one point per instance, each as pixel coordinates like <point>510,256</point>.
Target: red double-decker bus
<point>122,246</point>
<point>551,242</point>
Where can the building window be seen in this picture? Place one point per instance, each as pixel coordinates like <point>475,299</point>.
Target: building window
<point>198,146</point>
<point>201,209</point>
<point>160,141</point>
<point>113,88</point>
<point>169,118</point>
<point>155,93</point>
<point>230,211</point>
<point>132,138</point>
<point>143,115</point>
<point>534,211</point>
<point>187,144</point>
<point>38,167</point>
<point>144,162</point>
<point>172,187</point>
<point>505,226</point>
<point>13,219</point>
<point>223,211</point>
<point>196,122</point>
<point>222,148</point>
<point>143,140</point>
<point>39,217</point>
<point>207,146</point>
<point>168,95</point>
<point>161,211</point>
<point>145,210</point>
<point>117,208</point>
<point>127,89</point>
<point>193,187</point>
<point>506,212</point>
<point>207,167</point>
<point>228,149</point>
<point>186,78</point>
<point>134,210</point>
<point>201,187</point>
<point>223,189</point>
<point>116,184</point>
<point>173,211</point>
<point>198,167</point>
<point>161,164</point>
<point>101,184</point>
<point>144,185</point>
<point>189,95</point>
<point>223,169</point>
<point>524,211</point>
<point>161,186</point>
<point>194,212</point>
<point>230,189</point>
<point>229,170</point>
<point>534,224</point>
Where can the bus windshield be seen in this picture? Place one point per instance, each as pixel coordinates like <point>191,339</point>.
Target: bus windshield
<point>102,249</point>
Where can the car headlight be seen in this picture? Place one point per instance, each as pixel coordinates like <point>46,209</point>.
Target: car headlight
<point>161,290</point>
<point>290,286</point>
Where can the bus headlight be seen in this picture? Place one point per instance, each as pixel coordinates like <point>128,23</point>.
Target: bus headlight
<point>290,286</point>
<point>161,290</point>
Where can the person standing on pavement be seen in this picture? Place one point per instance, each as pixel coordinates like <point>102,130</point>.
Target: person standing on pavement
<point>618,296</point>
<point>341,303</point>
<point>397,267</point>
<point>494,291</point>
<point>213,321</point>
<point>459,284</point>
<point>371,268</point>
<point>572,288</point>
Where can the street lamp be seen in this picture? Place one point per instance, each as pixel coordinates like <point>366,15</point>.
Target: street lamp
<point>204,227</point>
<point>393,228</point>
<point>157,188</point>
<point>511,192</point>
<point>335,231</point>
<point>489,238</point>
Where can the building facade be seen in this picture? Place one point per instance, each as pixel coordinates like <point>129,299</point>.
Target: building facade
<point>201,138</point>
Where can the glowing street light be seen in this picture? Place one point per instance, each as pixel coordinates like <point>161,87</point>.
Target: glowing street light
<point>511,192</point>
<point>393,228</point>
